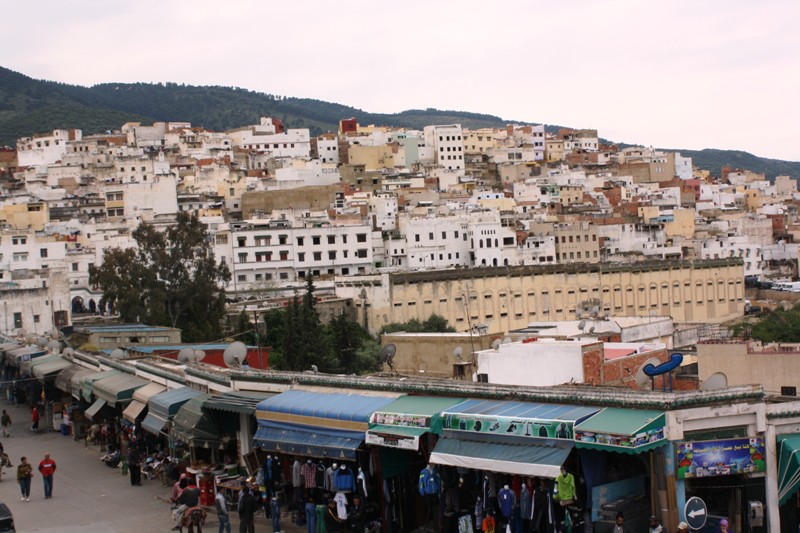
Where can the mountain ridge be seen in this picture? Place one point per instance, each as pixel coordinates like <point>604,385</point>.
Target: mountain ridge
<point>29,106</point>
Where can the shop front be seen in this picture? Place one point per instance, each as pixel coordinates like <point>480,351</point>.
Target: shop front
<point>234,414</point>
<point>95,410</point>
<point>135,411</point>
<point>726,469</point>
<point>501,446</point>
<point>196,429</point>
<point>321,436</point>
<point>617,449</point>
<point>402,434</point>
<point>161,409</point>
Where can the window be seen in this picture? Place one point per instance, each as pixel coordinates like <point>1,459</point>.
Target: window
<point>241,277</point>
<point>331,239</point>
<point>19,240</point>
<point>221,239</point>
<point>361,253</point>
<point>300,241</point>
<point>317,256</point>
<point>282,239</point>
<point>43,252</point>
<point>284,255</point>
<point>243,257</point>
<point>74,267</point>
<point>315,240</point>
<point>283,275</point>
<point>362,237</point>
<point>332,255</point>
<point>301,257</point>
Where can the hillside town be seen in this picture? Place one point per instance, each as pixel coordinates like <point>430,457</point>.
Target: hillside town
<point>590,286</point>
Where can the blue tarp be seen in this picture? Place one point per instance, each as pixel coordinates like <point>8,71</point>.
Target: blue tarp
<point>315,405</point>
<point>308,442</point>
<point>315,424</point>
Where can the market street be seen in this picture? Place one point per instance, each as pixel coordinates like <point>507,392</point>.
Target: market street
<point>88,496</point>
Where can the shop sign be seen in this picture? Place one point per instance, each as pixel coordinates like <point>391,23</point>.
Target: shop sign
<point>720,457</point>
<point>512,427</point>
<point>625,441</point>
<point>404,442</point>
<point>402,420</point>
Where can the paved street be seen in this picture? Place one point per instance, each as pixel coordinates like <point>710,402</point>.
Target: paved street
<point>88,496</point>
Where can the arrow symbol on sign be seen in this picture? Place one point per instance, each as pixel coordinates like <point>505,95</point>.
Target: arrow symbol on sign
<point>697,512</point>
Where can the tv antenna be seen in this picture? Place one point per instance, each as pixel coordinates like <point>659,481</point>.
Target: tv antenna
<point>387,356</point>
<point>234,354</point>
<point>186,356</point>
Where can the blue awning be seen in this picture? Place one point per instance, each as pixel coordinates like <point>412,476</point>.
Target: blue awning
<point>511,455</point>
<point>154,424</point>
<point>510,418</point>
<point>308,441</point>
<point>349,412</point>
<point>315,424</point>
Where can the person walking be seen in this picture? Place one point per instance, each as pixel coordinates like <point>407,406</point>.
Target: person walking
<point>222,511</point>
<point>35,419</point>
<point>24,475</point>
<point>47,467</point>
<point>247,511</point>
<point>134,465</point>
<point>5,421</point>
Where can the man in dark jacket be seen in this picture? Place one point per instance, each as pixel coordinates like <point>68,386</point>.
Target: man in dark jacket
<point>190,497</point>
<point>134,464</point>
<point>247,511</point>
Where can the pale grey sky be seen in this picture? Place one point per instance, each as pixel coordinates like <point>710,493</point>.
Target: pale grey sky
<point>676,74</point>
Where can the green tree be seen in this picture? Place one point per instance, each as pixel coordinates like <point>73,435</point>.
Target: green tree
<point>434,324</point>
<point>170,279</point>
<point>346,339</point>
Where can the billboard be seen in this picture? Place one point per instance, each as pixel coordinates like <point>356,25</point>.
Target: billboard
<point>720,457</point>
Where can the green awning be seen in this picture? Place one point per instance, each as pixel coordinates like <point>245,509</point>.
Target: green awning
<point>193,426</point>
<point>26,367</point>
<point>48,369</point>
<point>64,378</point>
<point>87,382</point>
<point>75,381</point>
<point>118,388</point>
<point>237,402</point>
<point>400,423</point>
<point>510,455</point>
<point>622,430</point>
<point>788,466</point>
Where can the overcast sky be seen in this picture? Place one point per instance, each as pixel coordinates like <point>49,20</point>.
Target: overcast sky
<point>673,74</point>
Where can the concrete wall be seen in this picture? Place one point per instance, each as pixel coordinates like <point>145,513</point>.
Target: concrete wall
<point>744,364</point>
<point>431,354</point>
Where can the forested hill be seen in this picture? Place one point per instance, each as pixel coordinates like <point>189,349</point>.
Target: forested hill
<point>30,106</point>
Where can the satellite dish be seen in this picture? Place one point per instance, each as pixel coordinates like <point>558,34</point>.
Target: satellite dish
<point>591,329</point>
<point>186,356</point>
<point>387,355</point>
<point>595,310</point>
<point>457,352</point>
<point>21,332</point>
<point>54,346</point>
<point>314,368</point>
<point>582,325</point>
<point>715,381</point>
<point>643,380</point>
<point>54,333</point>
<point>496,344</point>
<point>234,354</point>
<point>117,353</point>
<point>68,351</point>
<point>199,355</point>
<point>42,342</point>
<point>507,340</point>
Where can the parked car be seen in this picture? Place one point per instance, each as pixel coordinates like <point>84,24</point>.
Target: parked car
<point>6,519</point>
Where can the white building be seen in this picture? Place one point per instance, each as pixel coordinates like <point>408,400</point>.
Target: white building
<point>45,149</point>
<point>448,146</point>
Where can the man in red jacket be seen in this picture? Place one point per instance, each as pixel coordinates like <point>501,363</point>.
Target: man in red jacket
<point>47,467</point>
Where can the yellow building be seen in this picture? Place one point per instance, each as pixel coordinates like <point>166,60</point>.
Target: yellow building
<point>682,224</point>
<point>554,150</point>
<point>370,157</point>
<point>510,298</point>
<point>478,141</point>
<point>31,215</point>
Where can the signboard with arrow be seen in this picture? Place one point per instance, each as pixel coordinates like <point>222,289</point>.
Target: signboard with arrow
<point>696,512</point>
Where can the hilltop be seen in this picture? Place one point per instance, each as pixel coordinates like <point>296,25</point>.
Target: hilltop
<point>30,106</point>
